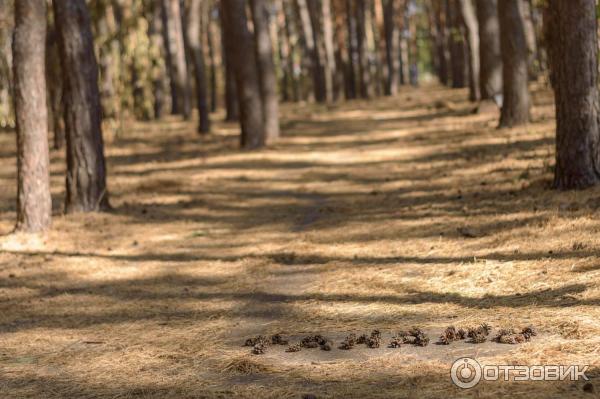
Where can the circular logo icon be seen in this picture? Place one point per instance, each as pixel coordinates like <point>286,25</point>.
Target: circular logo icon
<point>466,372</point>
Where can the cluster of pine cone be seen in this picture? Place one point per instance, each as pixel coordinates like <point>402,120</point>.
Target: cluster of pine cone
<point>480,334</point>
<point>414,336</point>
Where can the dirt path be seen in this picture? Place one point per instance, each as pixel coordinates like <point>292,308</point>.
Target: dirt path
<point>395,213</point>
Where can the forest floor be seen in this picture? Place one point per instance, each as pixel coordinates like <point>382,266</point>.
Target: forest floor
<point>387,214</point>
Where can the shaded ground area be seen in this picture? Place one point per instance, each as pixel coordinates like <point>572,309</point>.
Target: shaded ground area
<point>386,214</point>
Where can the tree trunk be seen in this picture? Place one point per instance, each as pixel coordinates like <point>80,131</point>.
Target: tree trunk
<point>489,49</point>
<point>330,65</point>
<point>392,9</point>
<point>571,32</point>
<point>441,24</point>
<point>232,108</point>
<point>458,49</point>
<point>34,205</point>
<point>413,49</point>
<point>160,81</point>
<point>404,21</point>
<point>266,69</point>
<point>247,79</point>
<point>382,70</point>
<point>6,79</point>
<point>341,50</point>
<point>86,170</point>
<point>471,25</point>
<point>530,37</point>
<point>285,55</point>
<point>375,73</point>
<point>362,50</point>
<point>55,89</point>
<point>194,41</point>
<point>211,34</point>
<point>352,49</point>
<point>317,50</point>
<point>515,103</point>
<point>181,98</point>
<point>291,40</point>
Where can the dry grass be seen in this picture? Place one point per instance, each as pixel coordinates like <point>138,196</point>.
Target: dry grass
<point>358,219</point>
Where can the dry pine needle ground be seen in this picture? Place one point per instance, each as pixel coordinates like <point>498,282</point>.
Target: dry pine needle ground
<point>378,215</point>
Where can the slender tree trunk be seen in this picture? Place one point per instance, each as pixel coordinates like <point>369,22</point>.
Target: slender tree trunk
<point>458,49</point>
<point>318,51</point>
<point>530,37</point>
<point>392,9</point>
<point>34,205</point>
<point>413,53</point>
<point>6,65</point>
<point>231,97</point>
<point>375,73</point>
<point>285,55</point>
<point>244,61</point>
<point>330,64</point>
<point>404,44</point>
<point>341,50</point>
<point>194,41</point>
<point>489,49</point>
<point>291,39</point>
<point>266,69</point>
<point>160,82</point>
<point>383,71</point>
<point>363,61</point>
<point>86,170</point>
<point>442,41</point>
<point>352,49</point>
<point>55,89</point>
<point>181,98</point>
<point>472,29</point>
<point>515,106</point>
<point>572,34</point>
<point>210,39</point>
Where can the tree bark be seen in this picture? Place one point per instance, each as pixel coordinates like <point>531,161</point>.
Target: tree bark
<point>363,62</point>
<point>55,89</point>
<point>86,170</point>
<point>330,64</point>
<point>194,41</point>
<point>211,34</point>
<point>290,39</point>
<point>181,98</point>
<point>530,37</point>
<point>266,69</point>
<point>285,56</point>
<point>392,9</point>
<point>352,50</point>
<point>318,53</point>
<point>441,23</point>
<point>515,106</point>
<point>160,82</point>
<point>34,204</point>
<point>458,49</point>
<point>6,78</point>
<point>247,79</point>
<point>341,50</point>
<point>232,107</point>
<point>472,30</point>
<point>489,49</point>
<point>572,35</point>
